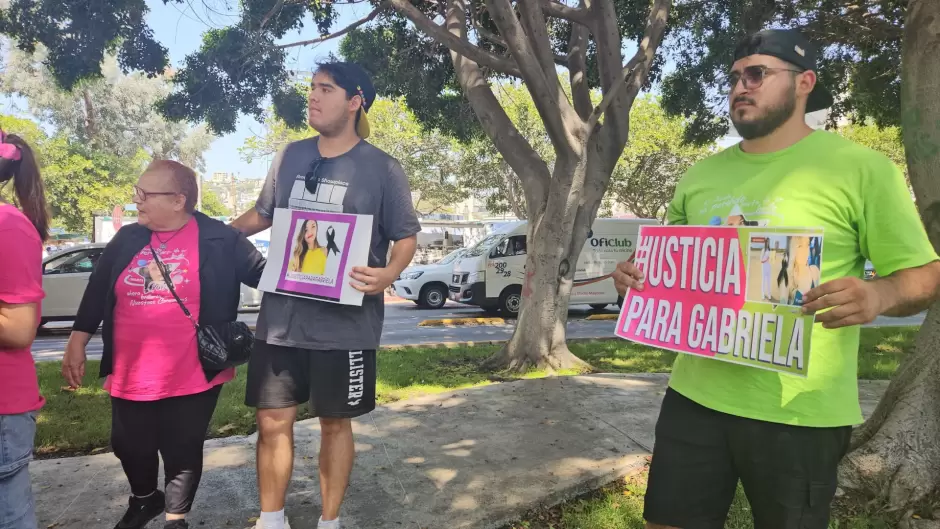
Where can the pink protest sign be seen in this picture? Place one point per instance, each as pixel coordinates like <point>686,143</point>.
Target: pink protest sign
<point>727,293</point>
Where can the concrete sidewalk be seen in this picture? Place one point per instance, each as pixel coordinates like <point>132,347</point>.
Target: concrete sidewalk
<point>474,458</point>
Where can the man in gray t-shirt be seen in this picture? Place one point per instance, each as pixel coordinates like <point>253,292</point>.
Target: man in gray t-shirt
<point>309,350</point>
<point>364,181</point>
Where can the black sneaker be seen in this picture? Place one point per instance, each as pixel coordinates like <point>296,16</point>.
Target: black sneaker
<point>142,510</point>
<point>176,524</point>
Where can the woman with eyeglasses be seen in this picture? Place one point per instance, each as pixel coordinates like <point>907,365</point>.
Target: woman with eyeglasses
<point>24,225</point>
<point>161,397</point>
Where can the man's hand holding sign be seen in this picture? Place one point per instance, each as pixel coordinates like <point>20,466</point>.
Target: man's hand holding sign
<point>627,276</point>
<point>853,301</point>
<point>846,301</point>
<point>372,281</point>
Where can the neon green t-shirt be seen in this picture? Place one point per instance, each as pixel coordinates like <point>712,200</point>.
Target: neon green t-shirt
<point>861,200</point>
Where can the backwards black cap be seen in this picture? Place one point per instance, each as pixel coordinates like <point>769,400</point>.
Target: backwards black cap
<point>791,46</point>
<point>356,82</point>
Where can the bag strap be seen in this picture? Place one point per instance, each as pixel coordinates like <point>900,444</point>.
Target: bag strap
<point>169,284</point>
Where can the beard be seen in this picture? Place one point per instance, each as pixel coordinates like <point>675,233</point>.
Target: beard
<point>770,121</point>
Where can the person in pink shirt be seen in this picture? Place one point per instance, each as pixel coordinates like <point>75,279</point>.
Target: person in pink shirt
<point>22,230</point>
<point>162,398</point>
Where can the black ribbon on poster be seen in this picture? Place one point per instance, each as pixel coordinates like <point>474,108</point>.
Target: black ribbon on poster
<point>331,242</point>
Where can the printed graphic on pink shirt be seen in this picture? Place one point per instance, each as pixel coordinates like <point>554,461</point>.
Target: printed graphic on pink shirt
<point>155,352</point>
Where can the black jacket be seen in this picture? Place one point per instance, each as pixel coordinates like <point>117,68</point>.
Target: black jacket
<point>226,259</point>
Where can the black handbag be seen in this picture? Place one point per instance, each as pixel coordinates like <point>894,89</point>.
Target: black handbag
<point>220,345</point>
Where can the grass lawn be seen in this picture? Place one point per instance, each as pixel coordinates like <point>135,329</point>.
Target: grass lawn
<point>80,421</point>
<point>620,506</point>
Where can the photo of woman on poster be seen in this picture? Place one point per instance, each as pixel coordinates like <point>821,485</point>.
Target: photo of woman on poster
<point>308,256</point>
<point>765,271</point>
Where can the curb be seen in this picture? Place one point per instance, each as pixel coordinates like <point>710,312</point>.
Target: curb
<point>462,321</point>
<point>601,317</point>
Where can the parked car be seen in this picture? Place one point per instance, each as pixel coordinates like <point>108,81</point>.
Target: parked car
<point>426,285</point>
<point>65,275</point>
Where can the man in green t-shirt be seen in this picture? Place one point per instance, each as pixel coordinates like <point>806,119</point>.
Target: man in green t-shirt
<point>782,435</point>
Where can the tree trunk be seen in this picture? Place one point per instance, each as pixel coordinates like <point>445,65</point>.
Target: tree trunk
<point>91,117</point>
<point>554,243</point>
<point>896,453</point>
<point>561,206</point>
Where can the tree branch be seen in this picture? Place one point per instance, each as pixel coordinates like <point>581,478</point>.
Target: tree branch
<point>572,14</point>
<point>633,75</point>
<point>646,51</point>
<point>545,91</point>
<point>609,58</point>
<point>489,35</point>
<point>274,10</point>
<point>462,46</point>
<point>609,97</point>
<point>484,33</point>
<point>577,69</point>
<point>536,29</point>
<point>364,20</point>
<point>509,178</point>
<point>513,147</point>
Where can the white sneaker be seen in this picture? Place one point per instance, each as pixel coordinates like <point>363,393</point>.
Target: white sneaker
<point>258,524</point>
<point>332,524</point>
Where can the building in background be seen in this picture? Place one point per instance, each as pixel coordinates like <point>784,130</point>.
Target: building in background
<point>236,193</point>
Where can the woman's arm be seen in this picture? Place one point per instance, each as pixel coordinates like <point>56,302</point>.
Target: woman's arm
<point>18,324</point>
<point>73,364</point>
<point>20,284</point>
<point>249,262</point>
<point>91,311</point>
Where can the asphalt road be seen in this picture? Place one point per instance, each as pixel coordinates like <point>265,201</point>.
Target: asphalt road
<point>401,328</point>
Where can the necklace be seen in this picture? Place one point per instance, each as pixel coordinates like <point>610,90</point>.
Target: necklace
<point>164,243</point>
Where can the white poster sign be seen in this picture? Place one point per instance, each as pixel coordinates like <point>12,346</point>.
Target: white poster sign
<point>311,254</point>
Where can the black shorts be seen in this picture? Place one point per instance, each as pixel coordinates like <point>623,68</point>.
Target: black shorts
<point>338,384</point>
<point>788,472</point>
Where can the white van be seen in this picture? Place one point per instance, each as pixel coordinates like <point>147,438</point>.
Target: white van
<point>490,275</point>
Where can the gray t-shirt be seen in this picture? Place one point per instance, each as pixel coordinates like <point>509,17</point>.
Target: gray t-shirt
<point>363,181</point>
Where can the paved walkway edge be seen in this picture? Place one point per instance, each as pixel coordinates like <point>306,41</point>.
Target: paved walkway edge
<point>477,458</point>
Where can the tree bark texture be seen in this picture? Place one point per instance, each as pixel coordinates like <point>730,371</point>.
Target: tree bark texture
<point>895,456</point>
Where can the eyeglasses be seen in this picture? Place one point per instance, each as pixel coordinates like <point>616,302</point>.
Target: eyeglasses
<point>312,178</point>
<point>753,76</point>
<point>144,195</point>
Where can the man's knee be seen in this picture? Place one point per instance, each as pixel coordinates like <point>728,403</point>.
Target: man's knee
<point>276,422</point>
<point>332,426</point>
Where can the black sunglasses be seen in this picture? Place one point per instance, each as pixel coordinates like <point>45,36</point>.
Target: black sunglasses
<point>753,76</point>
<point>312,178</point>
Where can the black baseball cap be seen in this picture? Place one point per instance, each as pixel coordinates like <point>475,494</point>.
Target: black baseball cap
<point>788,45</point>
<point>356,82</point>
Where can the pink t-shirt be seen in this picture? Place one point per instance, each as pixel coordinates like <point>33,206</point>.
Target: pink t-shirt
<point>155,355</point>
<point>20,283</point>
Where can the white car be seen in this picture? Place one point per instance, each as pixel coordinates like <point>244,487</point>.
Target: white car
<point>426,285</point>
<point>65,275</point>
